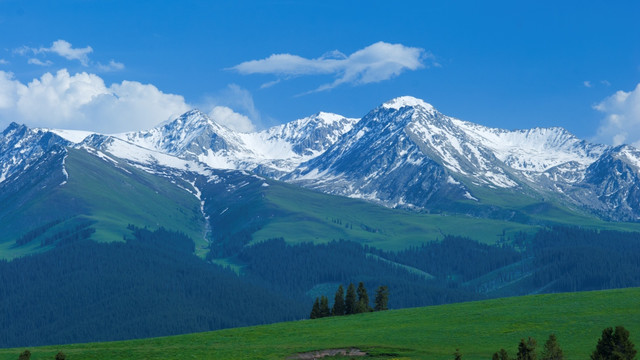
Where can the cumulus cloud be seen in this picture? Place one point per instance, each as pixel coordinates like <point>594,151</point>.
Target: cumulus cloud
<point>231,119</point>
<point>377,62</point>
<point>83,101</point>
<point>244,116</point>
<point>621,124</point>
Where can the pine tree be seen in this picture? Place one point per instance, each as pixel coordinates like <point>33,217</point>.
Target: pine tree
<point>382,298</point>
<point>552,350</point>
<point>315,311</point>
<point>363,299</point>
<point>25,355</point>
<point>324,307</point>
<point>527,350</point>
<point>501,355</point>
<point>614,345</point>
<point>457,355</point>
<point>350,300</point>
<point>338,303</point>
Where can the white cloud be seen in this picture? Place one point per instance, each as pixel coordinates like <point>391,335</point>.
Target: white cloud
<point>36,61</point>
<point>4,62</point>
<point>245,115</point>
<point>231,119</point>
<point>377,62</point>
<point>587,84</point>
<point>111,66</point>
<point>83,101</point>
<point>9,89</point>
<point>64,49</point>
<point>621,124</point>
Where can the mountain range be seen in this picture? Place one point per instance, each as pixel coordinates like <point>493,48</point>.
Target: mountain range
<point>402,154</point>
<point>439,209</point>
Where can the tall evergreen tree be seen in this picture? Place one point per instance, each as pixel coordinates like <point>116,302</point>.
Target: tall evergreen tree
<point>338,302</point>
<point>501,355</point>
<point>614,345</point>
<point>350,300</point>
<point>363,299</point>
<point>324,307</point>
<point>25,355</point>
<point>527,349</point>
<point>382,298</point>
<point>457,355</point>
<point>552,350</point>
<point>315,310</point>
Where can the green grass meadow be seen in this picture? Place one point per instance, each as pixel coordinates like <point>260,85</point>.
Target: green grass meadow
<point>310,216</point>
<point>478,329</point>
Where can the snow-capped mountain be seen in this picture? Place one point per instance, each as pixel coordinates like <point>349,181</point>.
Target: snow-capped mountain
<point>275,151</point>
<point>20,147</point>
<point>404,153</point>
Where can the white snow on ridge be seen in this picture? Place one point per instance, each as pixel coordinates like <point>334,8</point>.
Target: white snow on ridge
<point>410,101</point>
<point>631,156</point>
<point>193,136</point>
<point>125,150</point>
<point>537,150</point>
<point>74,136</point>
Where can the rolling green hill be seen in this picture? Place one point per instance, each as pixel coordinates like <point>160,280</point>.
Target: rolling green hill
<point>266,209</point>
<point>478,329</point>
<point>107,195</point>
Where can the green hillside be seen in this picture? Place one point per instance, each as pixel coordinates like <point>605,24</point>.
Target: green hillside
<point>107,196</point>
<point>302,215</point>
<point>245,209</point>
<point>478,329</point>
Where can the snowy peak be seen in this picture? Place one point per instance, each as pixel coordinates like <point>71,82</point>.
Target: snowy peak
<point>312,135</point>
<point>627,154</point>
<point>190,135</point>
<point>408,101</point>
<point>20,147</point>
<point>275,151</point>
<point>534,150</point>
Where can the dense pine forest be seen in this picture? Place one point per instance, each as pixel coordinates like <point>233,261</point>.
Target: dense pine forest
<point>151,284</point>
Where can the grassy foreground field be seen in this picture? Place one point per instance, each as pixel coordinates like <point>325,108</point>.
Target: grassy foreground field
<point>478,329</point>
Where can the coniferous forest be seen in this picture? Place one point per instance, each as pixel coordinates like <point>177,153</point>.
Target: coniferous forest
<point>151,284</point>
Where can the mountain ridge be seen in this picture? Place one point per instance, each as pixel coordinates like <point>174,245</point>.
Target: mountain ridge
<point>404,153</point>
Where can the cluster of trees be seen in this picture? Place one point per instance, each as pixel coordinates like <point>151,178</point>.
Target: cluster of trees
<point>70,232</point>
<point>144,287</point>
<point>296,268</point>
<point>354,302</point>
<point>26,355</point>
<point>31,235</point>
<point>612,345</point>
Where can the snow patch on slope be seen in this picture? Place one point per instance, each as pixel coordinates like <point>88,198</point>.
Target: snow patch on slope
<point>73,136</point>
<point>64,170</point>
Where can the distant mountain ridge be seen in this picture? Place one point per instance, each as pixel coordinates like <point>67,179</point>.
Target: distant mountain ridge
<point>403,153</point>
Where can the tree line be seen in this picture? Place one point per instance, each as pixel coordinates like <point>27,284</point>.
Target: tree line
<point>26,355</point>
<point>614,344</point>
<point>356,301</point>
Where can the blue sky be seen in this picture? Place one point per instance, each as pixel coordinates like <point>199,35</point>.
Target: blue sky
<point>127,65</point>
